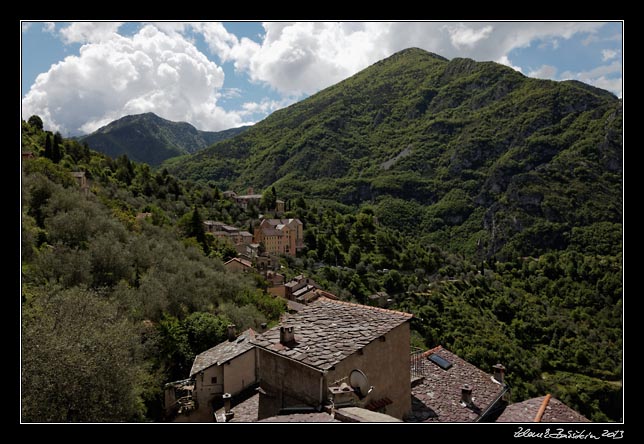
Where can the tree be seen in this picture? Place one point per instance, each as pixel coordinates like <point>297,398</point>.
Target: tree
<point>269,199</point>
<point>48,151</point>
<point>79,360</point>
<point>55,151</point>
<point>36,122</point>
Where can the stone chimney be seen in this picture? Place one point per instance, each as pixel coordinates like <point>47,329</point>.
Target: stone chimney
<point>231,333</point>
<point>499,373</point>
<point>287,335</point>
<point>228,415</point>
<point>262,327</point>
<point>466,395</point>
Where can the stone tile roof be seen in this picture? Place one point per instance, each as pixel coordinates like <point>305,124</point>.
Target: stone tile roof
<point>526,411</point>
<point>327,331</point>
<point>302,417</point>
<point>223,352</point>
<point>437,397</point>
<point>246,411</point>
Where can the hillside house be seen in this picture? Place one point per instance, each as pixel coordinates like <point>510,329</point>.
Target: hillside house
<point>450,389</point>
<point>228,367</point>
<point>280,236</point>
<point>229,233</point>
<point>303,361</point>
<point>239,265</point>
<point>300,289</point>
<point>541,409</point>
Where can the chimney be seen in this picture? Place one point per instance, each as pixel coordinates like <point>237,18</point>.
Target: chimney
<point>466,395</point>
<point>262,327</point>
<point>287,335</point>
<point>228,415</point>
<point>250,190</point>
<point>499,373</point>
<point>231,332</point>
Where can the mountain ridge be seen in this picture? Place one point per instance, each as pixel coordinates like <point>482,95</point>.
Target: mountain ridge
<point>152,139</point>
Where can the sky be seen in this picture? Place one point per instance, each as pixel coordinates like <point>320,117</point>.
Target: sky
<point>79,76</point>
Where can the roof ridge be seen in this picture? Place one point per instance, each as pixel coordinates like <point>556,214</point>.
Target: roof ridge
<point>337,301</point>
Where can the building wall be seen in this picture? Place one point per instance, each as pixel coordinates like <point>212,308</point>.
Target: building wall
<point>205,388</point>
<point>285,383</point>
<point>277,290</point>
<point>237,266</point>
<point>386,364</point>
<point>240,372</point>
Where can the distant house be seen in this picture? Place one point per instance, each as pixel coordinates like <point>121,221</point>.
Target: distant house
<point>280,236</point>
<point>27,155</point>
<point>450,389</point>
<point>303,361</point>
<point>228,367</point>
<point>238,264</point>
<point>81,180</point>
<point>541,409</point>
<point>229,233</point>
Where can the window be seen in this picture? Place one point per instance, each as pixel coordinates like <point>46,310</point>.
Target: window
<point>213,380</point>
<point>442,363</point>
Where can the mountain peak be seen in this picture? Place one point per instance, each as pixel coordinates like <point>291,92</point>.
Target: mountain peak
<point>148,138</point>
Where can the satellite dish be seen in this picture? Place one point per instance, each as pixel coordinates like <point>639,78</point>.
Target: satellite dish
<point>360,383</point>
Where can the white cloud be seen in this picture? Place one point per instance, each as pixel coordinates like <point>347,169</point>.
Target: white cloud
<point>461,35</point>
<point>608,54</point>
<point>89,32</point>
<point>608,77</point>
<point>25,26</point>
<point>49,27</point>
<point>115,76</point>
<point>266,106</point>
<point>304,57</point>
<point>544,72</point>
<point>504,60</point>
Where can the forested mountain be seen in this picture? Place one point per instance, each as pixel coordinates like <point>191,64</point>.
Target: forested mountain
<point>151,139</point>
<point>472,156</point>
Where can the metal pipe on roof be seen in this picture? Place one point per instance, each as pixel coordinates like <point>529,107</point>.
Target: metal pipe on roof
<point>542,409</point>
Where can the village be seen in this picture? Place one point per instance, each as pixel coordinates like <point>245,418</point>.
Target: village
<point>329,360</point>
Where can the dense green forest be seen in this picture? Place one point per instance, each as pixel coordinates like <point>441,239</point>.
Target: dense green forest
<point>113,307</point>
<point>487,204</point>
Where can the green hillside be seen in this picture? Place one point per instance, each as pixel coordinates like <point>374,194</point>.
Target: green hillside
<point>150,139</point>
<point>474,157</point>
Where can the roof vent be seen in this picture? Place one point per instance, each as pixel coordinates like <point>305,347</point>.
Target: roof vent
<point>287,335</point>
<point>466,395</point>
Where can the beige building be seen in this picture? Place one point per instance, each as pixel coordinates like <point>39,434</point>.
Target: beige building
<point>304,361</point>
<point>280,236</point>
<point>228,367</point>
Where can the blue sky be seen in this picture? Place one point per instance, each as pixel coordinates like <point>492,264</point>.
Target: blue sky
<point>80,76</point>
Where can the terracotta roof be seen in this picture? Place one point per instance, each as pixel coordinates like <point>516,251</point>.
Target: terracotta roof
<point>223,352</point>
<point>327,331</point>
<point>437,397</point>
<point>526,411</point>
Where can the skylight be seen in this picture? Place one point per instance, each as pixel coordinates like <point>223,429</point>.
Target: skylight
<point>442,363</point>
